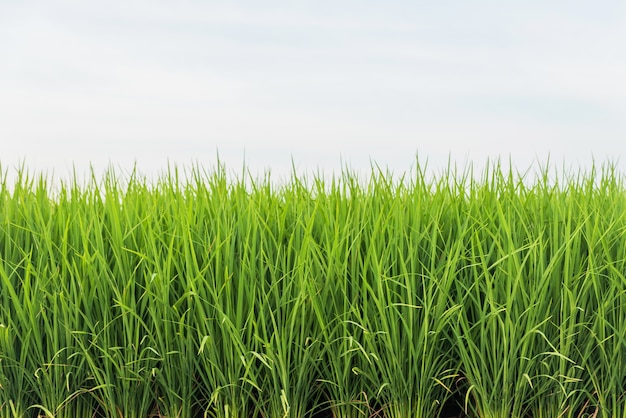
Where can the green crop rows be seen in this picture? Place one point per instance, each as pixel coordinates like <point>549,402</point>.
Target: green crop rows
<point>389,297</point>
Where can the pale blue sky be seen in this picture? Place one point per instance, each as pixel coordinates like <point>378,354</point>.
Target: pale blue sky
<point>322,82</point>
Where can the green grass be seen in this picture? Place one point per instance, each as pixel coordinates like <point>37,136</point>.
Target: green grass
<point>199,295</point>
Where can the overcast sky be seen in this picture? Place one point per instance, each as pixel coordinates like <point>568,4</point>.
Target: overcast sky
<point>322,83</point>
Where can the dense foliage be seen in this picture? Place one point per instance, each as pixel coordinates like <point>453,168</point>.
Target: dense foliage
<point>390,297</point>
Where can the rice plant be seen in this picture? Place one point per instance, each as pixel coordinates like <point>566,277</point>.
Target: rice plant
<point>197,294</point>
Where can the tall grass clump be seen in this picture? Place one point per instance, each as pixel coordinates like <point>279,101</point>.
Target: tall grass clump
<point>200,295</point>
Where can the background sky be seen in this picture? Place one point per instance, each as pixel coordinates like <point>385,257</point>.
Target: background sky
<point>322,84</point>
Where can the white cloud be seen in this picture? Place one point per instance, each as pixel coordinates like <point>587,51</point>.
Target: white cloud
<point>152,80</point>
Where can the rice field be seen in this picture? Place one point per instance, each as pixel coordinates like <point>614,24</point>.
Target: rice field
<point>198,295</point>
